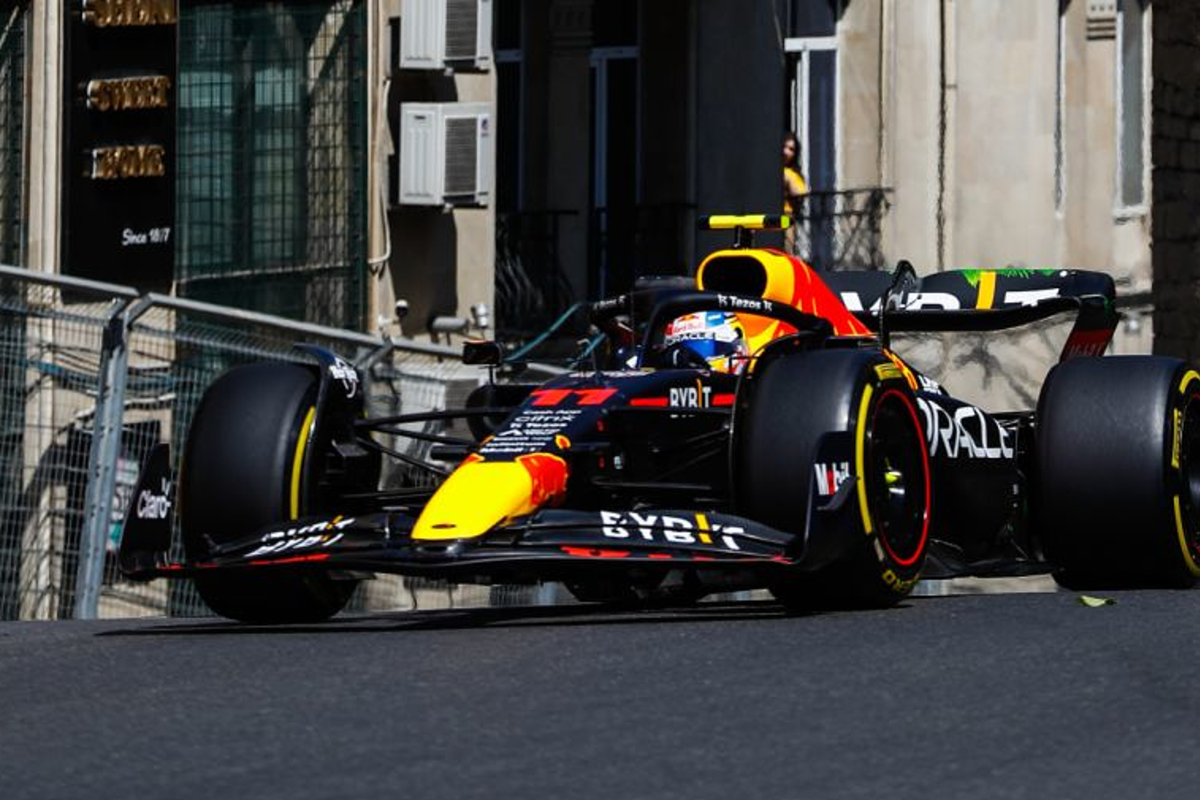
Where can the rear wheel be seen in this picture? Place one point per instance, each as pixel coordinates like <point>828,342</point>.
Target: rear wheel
<point>1118,460</point>
<point>241,471</point>
<point>801,411</point>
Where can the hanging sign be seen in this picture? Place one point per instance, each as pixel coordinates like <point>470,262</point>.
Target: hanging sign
<point>119,132</point>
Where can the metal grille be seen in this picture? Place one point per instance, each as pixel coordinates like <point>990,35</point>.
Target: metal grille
<point>89,369</point>
<point>462,146</point>
<point>12,129</point>
<point>462,28</point>
<point>271,197</point>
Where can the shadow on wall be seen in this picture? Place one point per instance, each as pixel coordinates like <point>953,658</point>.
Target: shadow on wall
<point>1000,370</point>
<point>424,265</point>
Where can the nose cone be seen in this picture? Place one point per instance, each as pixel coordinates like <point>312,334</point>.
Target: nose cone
<point>480,495</point>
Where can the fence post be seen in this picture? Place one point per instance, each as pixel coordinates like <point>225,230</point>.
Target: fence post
<point>102,459</point>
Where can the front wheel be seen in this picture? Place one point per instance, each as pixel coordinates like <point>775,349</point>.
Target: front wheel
<point>800,412</point>
<point>241,471</point>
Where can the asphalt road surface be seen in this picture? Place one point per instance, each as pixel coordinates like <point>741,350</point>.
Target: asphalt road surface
<point>1024,695</point>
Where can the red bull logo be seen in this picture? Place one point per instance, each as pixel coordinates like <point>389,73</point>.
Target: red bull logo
<point>548,475</point>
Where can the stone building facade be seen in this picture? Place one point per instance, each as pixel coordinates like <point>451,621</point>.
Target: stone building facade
<point>1175,148</point>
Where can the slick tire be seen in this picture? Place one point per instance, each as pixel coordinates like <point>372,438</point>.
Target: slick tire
<point>1118,472</point>
<point>874,557</point>
<point>238,468</point>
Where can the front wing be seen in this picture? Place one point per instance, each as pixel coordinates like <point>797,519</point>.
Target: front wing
<point>546,545</point>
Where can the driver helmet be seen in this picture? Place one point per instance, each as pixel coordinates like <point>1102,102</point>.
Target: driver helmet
<point>715,336</point>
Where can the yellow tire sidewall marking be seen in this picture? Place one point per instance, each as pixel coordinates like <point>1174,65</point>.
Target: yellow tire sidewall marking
<point>298,463</point>
<point>1177,463</point>
<point>860,440</point>
<point>1188,561</point>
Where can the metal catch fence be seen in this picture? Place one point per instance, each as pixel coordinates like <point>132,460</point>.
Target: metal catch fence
<point>93,375</point>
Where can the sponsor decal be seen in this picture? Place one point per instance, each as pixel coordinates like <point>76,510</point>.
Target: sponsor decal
<point>698,396</point>
<point>316,534</point>
<point>344,372</point>
<point>548,474</point>
<point>888,372</point>
<point>155,506</point>
<point>930,385</point>
<point>668,529</point>
<point>689,324</point>
<point>744,303</point>
<point>963,432</point>
<point>919,301</point>
<point>1177,419</point>
<point>898,584</point>
<point>579,397</point>
<point>973,276</point>
<point>1177,437</point>
<point>1086,343</point>
<point>904,371</point>
<point>943,301</point>
<point>1029,297</point>
<point>532,430</point>
<point>831,476</point>
<point>852,301</point>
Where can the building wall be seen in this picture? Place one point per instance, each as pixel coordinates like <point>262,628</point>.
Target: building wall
<point>45,78</point>
<point>440,261</point>
<point>1003,83</point>
<point>1175,145</point>
<point>862,121</point>
<point>910,79</point>
<point>970,137</point>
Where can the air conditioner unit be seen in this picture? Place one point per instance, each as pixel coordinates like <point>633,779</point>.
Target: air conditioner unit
<point>445,154</point>
<point>446,34</point>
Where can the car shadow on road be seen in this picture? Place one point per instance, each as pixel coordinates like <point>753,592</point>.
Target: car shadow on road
<point>584,614</point>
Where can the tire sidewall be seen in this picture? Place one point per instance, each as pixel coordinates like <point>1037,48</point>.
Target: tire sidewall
<point>1118,438</point>
<point>783,411</point>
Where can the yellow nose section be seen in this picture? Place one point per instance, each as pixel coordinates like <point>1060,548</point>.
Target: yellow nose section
<point>480,495</point>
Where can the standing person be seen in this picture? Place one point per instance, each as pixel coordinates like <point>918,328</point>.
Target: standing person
<point>793,186</point>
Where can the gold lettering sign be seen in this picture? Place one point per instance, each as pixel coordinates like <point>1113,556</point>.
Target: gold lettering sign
<point>125,94</point>
<point>121,13</point>
<point>128,161</point>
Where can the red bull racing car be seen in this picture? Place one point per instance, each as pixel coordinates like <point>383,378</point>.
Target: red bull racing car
<point>748,428</point>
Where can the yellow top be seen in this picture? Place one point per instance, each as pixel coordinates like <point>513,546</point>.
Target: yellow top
<point>793,186</point>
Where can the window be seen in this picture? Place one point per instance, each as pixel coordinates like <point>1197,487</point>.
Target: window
<point>272,158</point>
<point>814,118</point>
<point>1132,71</point>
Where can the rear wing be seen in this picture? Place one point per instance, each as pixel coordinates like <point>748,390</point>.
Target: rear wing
<point>984,300</point>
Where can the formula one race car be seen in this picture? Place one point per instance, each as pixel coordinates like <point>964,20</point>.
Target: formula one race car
<point>747,428</point>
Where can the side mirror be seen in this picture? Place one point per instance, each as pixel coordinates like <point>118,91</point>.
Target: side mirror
<point>482,353</point>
